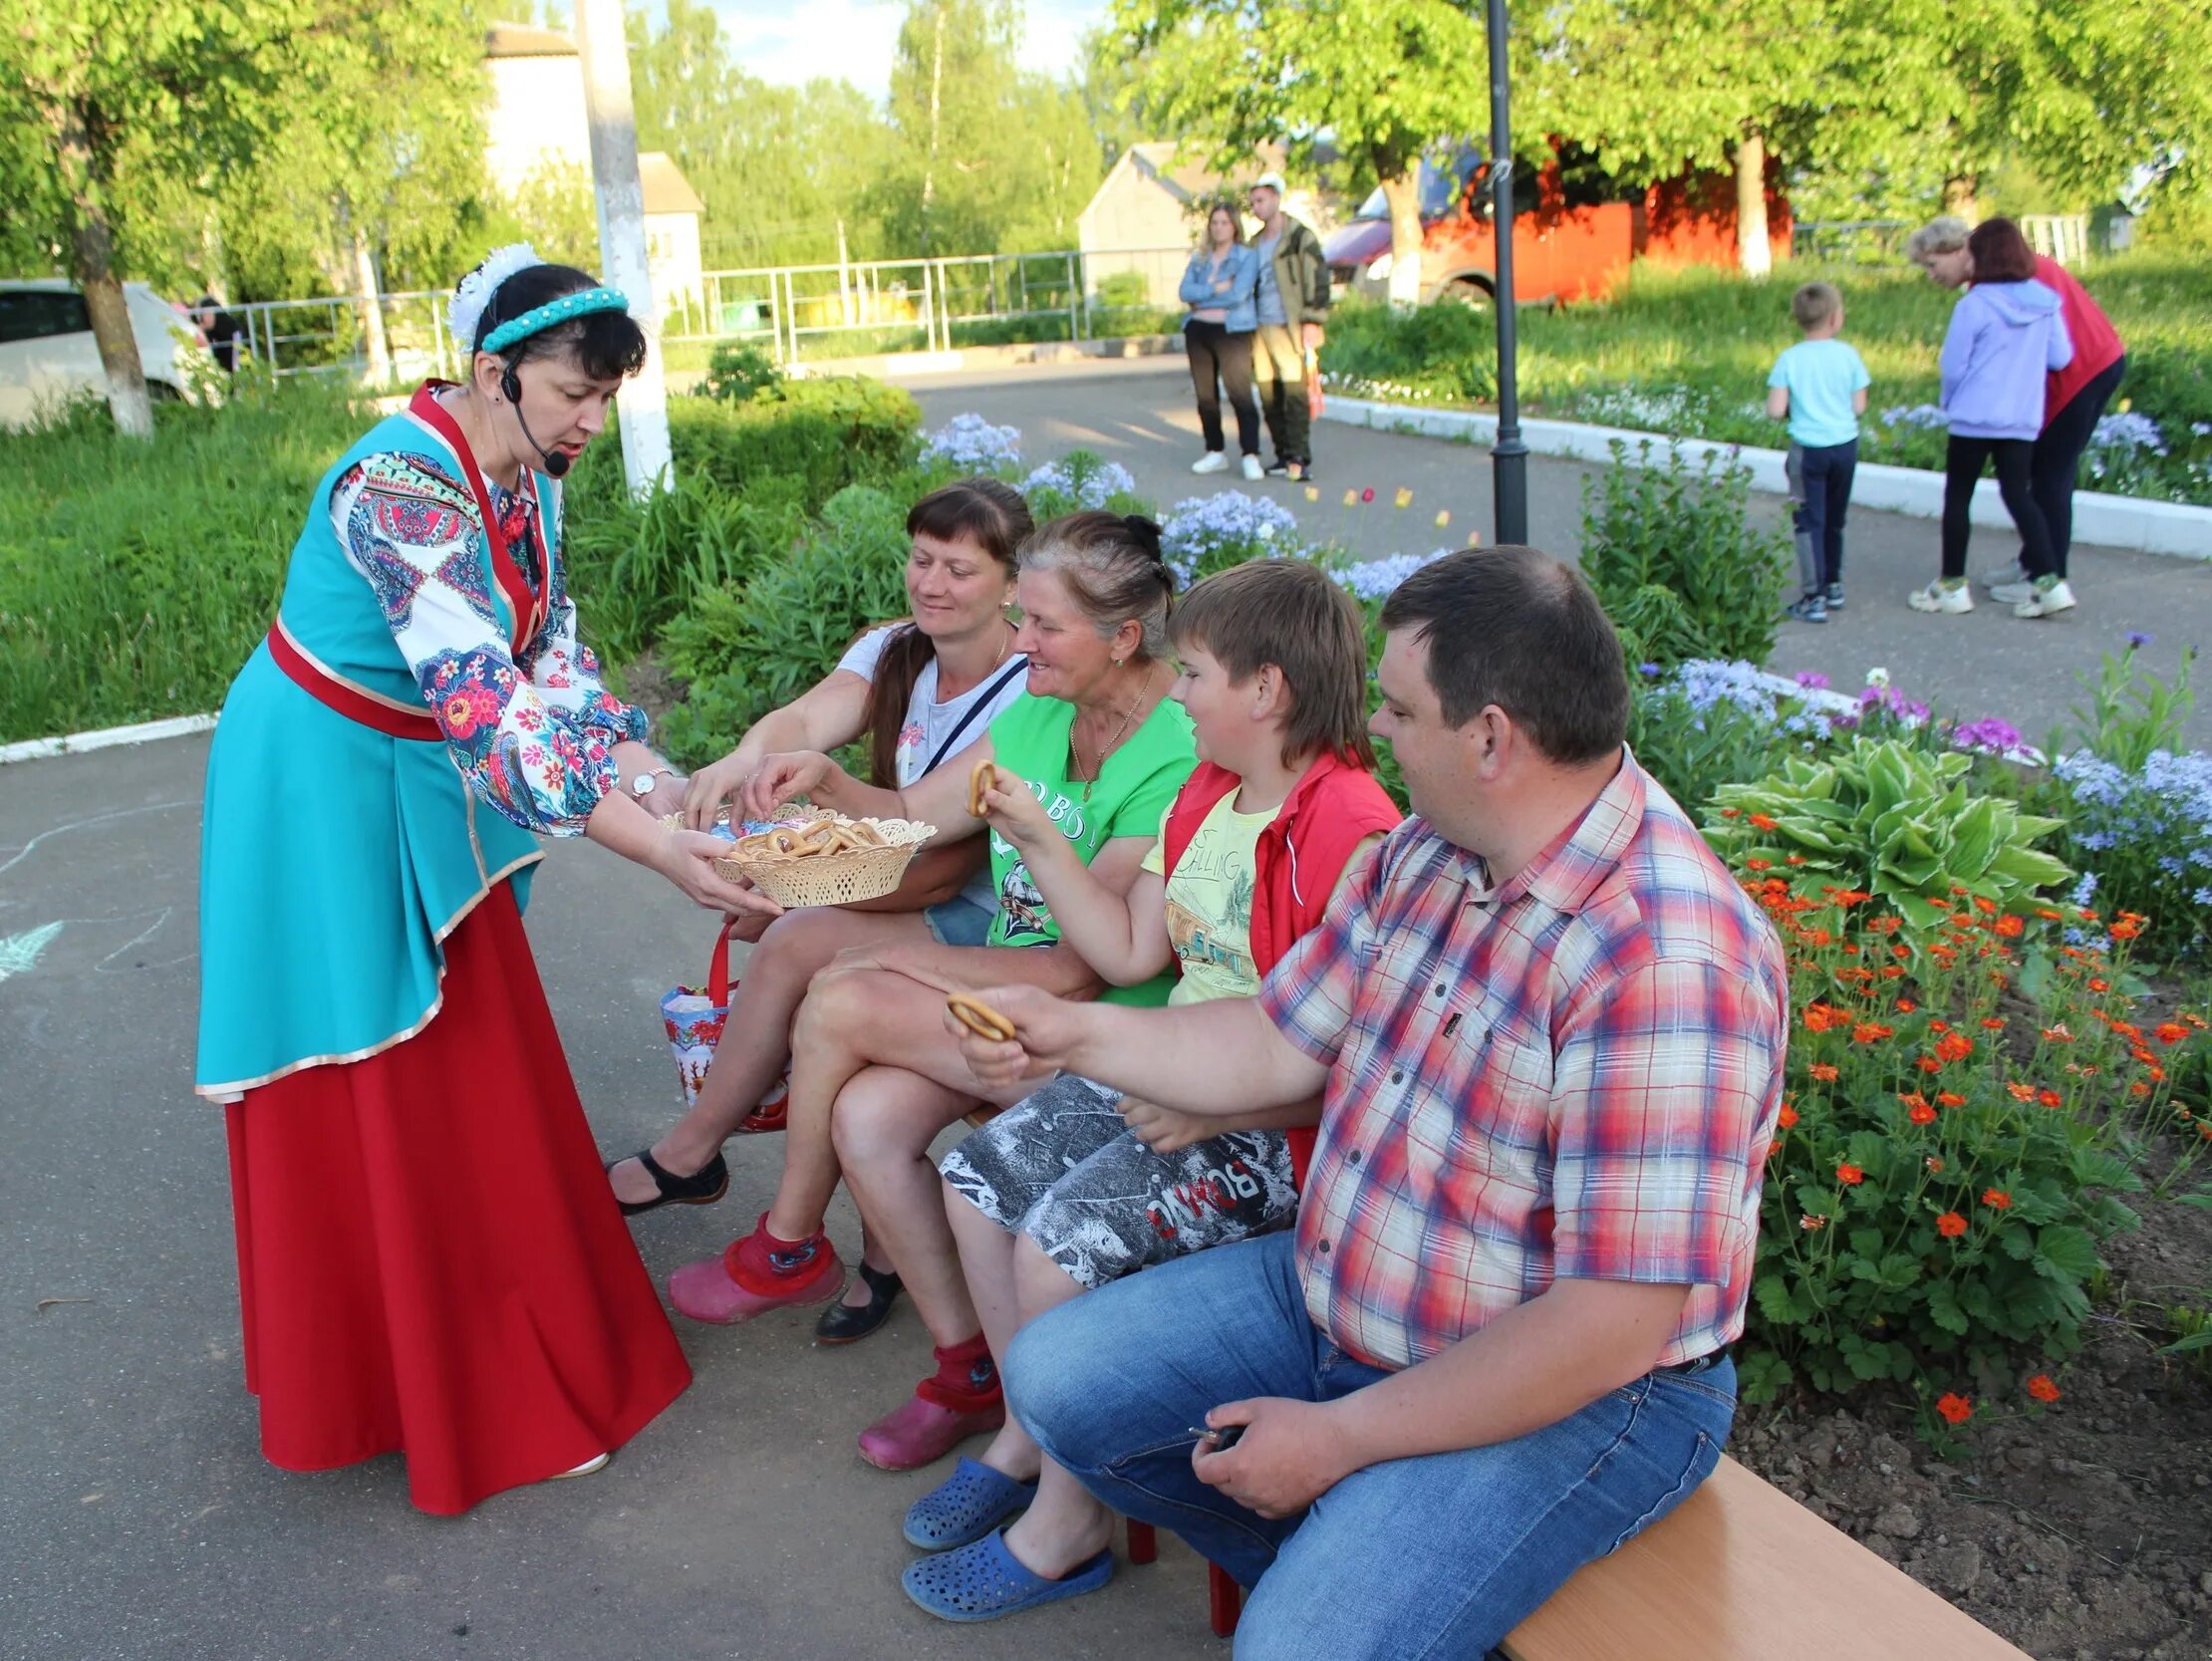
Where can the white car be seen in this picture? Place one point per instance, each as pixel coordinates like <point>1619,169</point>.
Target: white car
<point>48,356</point>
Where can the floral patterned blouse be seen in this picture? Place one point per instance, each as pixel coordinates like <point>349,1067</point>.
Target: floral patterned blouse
<point>534,738</point>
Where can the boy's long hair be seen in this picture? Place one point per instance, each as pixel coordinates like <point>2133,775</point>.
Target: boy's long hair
<point>994,517</point>
<point>1289,613</point>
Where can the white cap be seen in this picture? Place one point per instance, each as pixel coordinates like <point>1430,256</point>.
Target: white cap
<point>1272,182</point>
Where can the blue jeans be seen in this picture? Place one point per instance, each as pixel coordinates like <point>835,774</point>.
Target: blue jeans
<point>1436,1556</point>
<point>1821,495</point>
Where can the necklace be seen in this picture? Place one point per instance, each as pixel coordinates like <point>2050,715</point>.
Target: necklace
<point>1120,732</point>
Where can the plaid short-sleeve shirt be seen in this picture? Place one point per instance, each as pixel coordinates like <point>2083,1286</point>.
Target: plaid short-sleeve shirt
<point>1574,1073</point>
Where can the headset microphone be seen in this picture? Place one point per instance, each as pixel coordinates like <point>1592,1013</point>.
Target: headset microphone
<point>510,385</point>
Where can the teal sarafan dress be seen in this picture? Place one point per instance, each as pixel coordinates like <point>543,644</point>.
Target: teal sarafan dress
<point>430,1259</point>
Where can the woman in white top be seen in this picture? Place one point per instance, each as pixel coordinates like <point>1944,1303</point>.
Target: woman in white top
<point>917,691</point>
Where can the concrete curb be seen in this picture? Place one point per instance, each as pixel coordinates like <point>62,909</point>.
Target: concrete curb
<point>74,744</point>
<point>2107,521</point>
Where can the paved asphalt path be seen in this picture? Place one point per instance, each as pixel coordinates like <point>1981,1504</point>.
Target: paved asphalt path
<point>138,1520</point>
<point>1139,412</point>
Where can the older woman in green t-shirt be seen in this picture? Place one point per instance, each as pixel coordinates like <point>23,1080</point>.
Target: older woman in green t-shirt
<point>875,1077</point>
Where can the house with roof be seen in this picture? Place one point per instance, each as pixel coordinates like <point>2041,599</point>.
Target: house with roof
<point>1147,214</point>
<point>536,122</point>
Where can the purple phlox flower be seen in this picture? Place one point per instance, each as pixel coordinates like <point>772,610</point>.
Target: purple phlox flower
<point>1812,678</point>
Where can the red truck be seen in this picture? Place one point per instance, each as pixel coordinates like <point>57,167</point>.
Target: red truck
<point>1574,231</point>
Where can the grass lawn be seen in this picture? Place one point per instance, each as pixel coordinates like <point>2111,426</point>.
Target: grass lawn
<point>1687,353</point>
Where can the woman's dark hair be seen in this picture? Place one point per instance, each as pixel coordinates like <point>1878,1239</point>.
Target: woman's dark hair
<point>607,346</point>
<point>994,518</point>
<point>1113,570</point>
<point>1291,613</point>
<point>1519,629</point>
<point>2001,254</point>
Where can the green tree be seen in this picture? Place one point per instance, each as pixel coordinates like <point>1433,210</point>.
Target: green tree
<point>983,157</point>
<point>1386,79</point>
<point>114,110</point>
<point>779,167</point>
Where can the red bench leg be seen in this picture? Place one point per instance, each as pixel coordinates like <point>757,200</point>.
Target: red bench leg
<point>1226,1598</point>
<point>1144,1545</point>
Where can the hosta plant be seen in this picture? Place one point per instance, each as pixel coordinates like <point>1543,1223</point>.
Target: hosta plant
<point>1900,823</point>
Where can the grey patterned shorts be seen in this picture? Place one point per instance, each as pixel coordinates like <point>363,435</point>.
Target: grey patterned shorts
<point>1062,1167</point>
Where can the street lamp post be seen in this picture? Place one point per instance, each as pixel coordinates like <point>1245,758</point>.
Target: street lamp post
<point>1509,457</point>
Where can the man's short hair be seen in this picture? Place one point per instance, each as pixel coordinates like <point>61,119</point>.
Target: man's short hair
<point>1815,304</point>
<point>1514,626</point>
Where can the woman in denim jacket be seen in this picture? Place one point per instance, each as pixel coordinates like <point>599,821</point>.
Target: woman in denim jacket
<point>1220,285</point>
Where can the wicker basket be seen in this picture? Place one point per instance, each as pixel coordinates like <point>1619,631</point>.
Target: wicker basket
<point>835,879</point>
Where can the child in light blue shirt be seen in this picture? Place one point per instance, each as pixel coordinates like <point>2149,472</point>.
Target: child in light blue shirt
<point>1819,387</point>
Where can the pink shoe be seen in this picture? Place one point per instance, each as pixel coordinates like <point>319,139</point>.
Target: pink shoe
<point>922,1432</point>
<point>755,1274</point>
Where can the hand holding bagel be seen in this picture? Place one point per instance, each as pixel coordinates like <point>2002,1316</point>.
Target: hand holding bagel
<point>1008,806</point>
<point>1012,1033</point>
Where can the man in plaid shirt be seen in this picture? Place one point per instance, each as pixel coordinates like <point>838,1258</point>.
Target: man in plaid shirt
<point>1546,1028</point>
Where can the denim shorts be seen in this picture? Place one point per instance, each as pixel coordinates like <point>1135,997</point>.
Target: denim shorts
<point>960,921</point>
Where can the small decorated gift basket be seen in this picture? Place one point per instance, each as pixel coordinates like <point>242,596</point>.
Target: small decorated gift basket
<point>827,860</point>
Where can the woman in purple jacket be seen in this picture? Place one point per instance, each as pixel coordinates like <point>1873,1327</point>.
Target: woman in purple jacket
<point>2004,335</point>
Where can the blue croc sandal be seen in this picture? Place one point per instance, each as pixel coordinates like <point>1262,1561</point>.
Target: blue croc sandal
<point>966,1507</point>
<point>984,1581</point>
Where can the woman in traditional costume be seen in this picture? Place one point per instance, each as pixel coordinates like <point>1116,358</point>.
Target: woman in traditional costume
<point>429,1259</point>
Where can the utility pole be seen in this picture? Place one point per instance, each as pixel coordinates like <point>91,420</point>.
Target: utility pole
<point>600,42</point>
<point>1509,457</point>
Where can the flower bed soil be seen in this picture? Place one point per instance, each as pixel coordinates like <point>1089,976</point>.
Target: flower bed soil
<point>2083,1533</point>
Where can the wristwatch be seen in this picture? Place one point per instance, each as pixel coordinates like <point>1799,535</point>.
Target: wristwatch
<point>642,785</point>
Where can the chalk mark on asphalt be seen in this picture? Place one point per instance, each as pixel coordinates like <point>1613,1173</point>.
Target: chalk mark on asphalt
<point>23,853</point>
<point>19,954</point>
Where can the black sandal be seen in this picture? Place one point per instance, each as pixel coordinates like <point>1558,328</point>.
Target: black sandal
<point>702,1188</point>
<point>844,1323</point>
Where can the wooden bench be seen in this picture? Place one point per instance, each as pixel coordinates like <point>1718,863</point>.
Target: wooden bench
<point>1740,1571</point>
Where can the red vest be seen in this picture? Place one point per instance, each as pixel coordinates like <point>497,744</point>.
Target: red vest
<point>2096,343</point>
<point>1302,853</point>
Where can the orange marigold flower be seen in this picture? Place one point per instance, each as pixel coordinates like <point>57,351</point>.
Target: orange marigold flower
<point>1759,865</point>
<point>1818,1018</point>
<point>2041,1388</point>
<point>1762,821</point>
<point>2138,1088</point>
<point>2125,929</point>
<point>2049,916</point>
<point>1787,1117</point>
<point>2009,927</point>
<point>1929,1064</point>
<point>1934,1165</point>
<point>1906,1007</point>
<point>2049,1098</point>
<point>1997,1199</point>
<point>1732,813</point>
<point>1793,859</point>
<point>1850,1175</point>
<point>1811,1224</point>
<point>2127,1029</point>
<point>1825,1072</point>
<point>1892,972</point>
<point>2021,1092</point>
<point>2097,985</point>
<point>1985,906</point>
<point>1950,1225</point>
<point>2205,1130</point>
<point>1921,1114</point>
<point>1958,891</point>
<point>1954,1046</point>
<point>2169,1032</point>
<point>1994,1023</point>
<point>1939,1026</point>
<point>2058,1034</point>
<point>1871,1032</point>
<point>1954,1407</point>
<point>1951,1098</point>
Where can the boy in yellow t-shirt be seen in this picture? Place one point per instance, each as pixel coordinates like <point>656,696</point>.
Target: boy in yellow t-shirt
<point>1077,1185</point>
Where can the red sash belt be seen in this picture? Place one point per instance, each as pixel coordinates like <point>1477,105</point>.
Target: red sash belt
<point>357,703</point>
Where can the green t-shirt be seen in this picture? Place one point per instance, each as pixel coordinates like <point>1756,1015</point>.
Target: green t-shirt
<point>1130,793</point>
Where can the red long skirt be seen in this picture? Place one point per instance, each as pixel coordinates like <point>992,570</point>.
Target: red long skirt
<point>429,1260</point>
